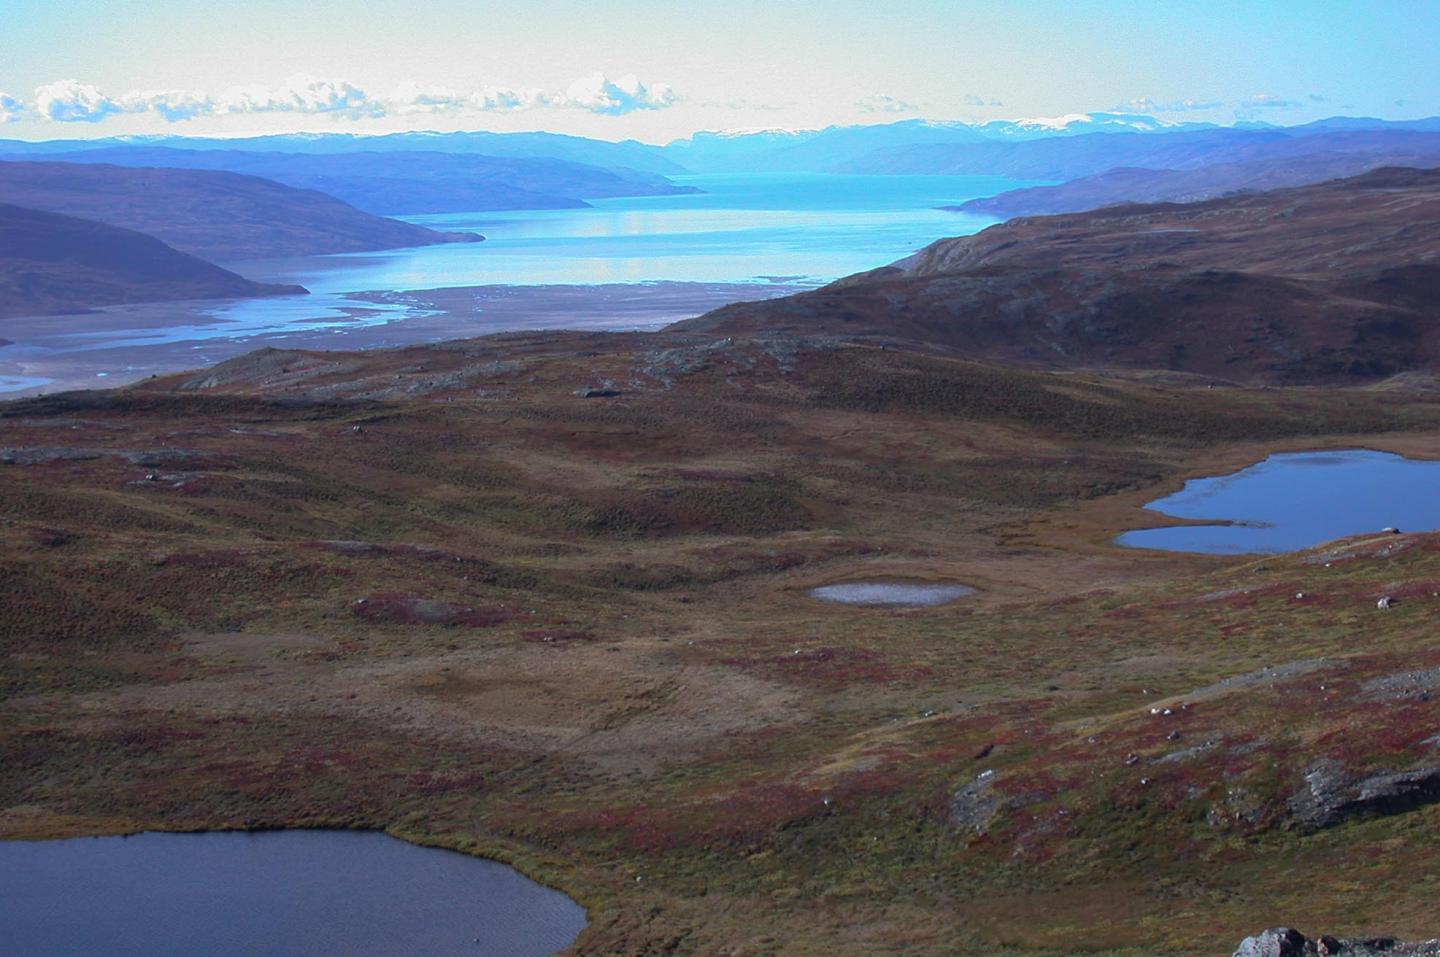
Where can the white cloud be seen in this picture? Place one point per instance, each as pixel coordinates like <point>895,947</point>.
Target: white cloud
<point>411,99</point>
<point>1147,104</point>
<point>881,103</point>
<point>173,105</point>
<point>599,94</point>
<point>504,100</point>
<point>11,109</point>
<point>70,101</point>
<point>1268,101</point>
<point>302,93</point>
<point>971,99</point>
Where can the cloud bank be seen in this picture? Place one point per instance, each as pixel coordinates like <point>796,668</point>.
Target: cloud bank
<point>598,94</point>
<point>880,103</point>
<point>70,101</point>
<point>1268,101</point>
<point>1147,104</point>
<point>11,109</point>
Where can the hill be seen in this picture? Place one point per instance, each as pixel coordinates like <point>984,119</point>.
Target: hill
<point>1061,158</point>
<point>57,264</point>
<point>628,154</point>
<point>408,182</point>
<point>214,215</point>
<point>471,594</point>
<point>1315,283</point>
<point>1137,185</point>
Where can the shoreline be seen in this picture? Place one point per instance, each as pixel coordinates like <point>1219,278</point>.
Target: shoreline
<point>123,345</point>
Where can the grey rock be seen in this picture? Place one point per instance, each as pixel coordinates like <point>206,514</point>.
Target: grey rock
<point>1276,942</point>
<point>1286,942</point>
<point>974,806</point>
<point>1330,794</point>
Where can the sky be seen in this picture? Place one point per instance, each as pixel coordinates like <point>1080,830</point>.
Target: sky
<point>657,71</point>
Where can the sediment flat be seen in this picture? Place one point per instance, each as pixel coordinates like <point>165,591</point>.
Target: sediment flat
<point>126,344</point>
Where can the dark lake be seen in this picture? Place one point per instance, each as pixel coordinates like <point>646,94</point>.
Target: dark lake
<point>1296,500</point>
<point>302,893</point>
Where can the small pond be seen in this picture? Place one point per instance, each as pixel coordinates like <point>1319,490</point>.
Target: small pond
<point>278,893</point>
<point>1296,500</point>
<point>903,594</point>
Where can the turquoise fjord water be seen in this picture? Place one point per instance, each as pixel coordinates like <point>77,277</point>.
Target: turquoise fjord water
<point>278,893</point>
<point>803,227</point>
<point>1296,500</point>
<point>762,234</point>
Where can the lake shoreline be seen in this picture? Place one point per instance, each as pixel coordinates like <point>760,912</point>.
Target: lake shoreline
<point>108,348</point>
<point>507,874</point>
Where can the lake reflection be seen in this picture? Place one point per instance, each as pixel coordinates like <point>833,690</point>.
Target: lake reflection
<point>1296,500</point>
<point>277,893</point>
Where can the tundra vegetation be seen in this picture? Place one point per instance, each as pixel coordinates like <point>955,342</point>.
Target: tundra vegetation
<point>545,598</point>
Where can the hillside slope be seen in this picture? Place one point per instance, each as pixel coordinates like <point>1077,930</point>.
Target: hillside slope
<point>435,591</point>
<point>215,215</point>
<point>1068,157</point>
<point>1316,283</point>
<point>1138,185</point>
<point>58,264</point>
<point>400,183</point>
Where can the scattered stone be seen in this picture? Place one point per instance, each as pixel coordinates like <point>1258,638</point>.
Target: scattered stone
<point>1286,942</point>
<point>1403,686</point>
<point>975,806</point>
<point>1276,942</point>
<point>1185,754</point>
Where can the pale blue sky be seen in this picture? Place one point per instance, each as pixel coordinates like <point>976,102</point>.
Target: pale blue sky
<point>656,71</point>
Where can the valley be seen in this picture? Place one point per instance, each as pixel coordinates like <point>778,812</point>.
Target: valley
<point>753,596</point>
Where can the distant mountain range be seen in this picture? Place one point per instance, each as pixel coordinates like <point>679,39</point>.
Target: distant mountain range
<point>575,149</point>
<point>1058,149</point>
<point>1138,185</point>
<point>60,264</point>
<point>1319,283</point>
<point>215,215</point>
<point>400,183</point>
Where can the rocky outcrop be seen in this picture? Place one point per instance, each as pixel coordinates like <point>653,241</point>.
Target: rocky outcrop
<point>974,806</point>
<point>1287,942</point>
<point>1331,794</point>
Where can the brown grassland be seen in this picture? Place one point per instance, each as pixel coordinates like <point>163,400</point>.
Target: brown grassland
<point>435,591</point>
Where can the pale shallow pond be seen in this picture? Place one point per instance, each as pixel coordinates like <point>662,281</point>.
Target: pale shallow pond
<point>1295,500</point>
<point>903,594</point>
<point>277,893</point>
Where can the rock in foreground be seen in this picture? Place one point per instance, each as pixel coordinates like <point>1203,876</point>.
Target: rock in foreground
<point>1287,942</point>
